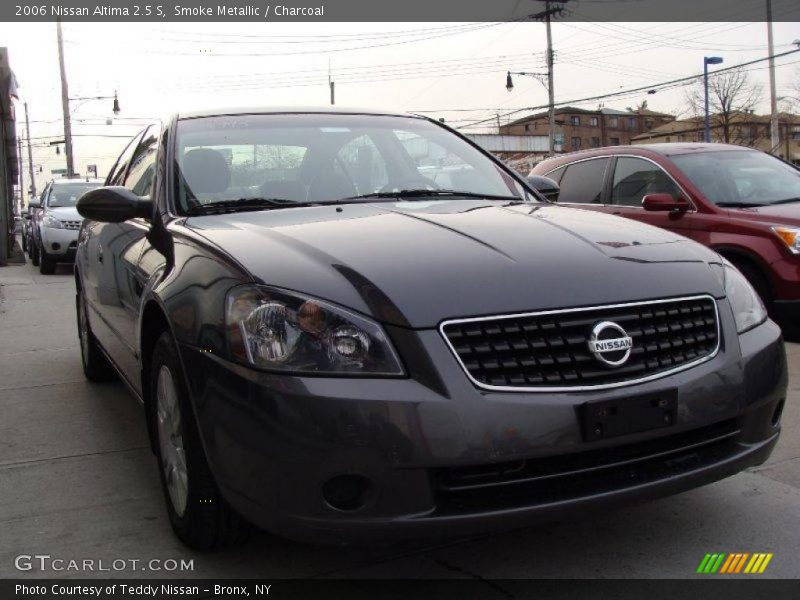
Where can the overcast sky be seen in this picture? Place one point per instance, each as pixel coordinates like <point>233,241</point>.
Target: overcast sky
<point>441,67</point>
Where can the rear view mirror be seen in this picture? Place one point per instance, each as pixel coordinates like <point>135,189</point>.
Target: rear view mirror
<point>114,204</point>
<point>545,186</point>
<point>664,203</point>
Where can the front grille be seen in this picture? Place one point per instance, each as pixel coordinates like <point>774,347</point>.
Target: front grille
<point>550,350</point>
<point>539,481</point>
<point>71,224</point>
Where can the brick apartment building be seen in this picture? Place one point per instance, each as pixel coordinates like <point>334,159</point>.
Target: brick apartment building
<point>744,129</point>
<point>578,128</point>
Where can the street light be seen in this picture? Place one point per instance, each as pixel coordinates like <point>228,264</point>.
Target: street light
<point>541,78</point>
<point>708,60</point>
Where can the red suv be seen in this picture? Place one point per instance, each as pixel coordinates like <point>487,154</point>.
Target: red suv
<point>741,202</point>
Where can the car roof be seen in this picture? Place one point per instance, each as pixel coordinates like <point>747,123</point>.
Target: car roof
<point>283,110</point>
<point>670,149</point>
<point>67,180</point>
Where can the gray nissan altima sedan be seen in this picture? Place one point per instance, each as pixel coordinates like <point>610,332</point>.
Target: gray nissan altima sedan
<point>348,325</point>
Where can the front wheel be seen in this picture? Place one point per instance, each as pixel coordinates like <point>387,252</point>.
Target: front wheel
<point>47,264</point>
<point>199,515</point>
<point>34,253</point>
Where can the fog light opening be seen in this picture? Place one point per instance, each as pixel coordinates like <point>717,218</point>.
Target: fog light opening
<point>776,416</point>
<point>55,246</point>
<point>346,492</point>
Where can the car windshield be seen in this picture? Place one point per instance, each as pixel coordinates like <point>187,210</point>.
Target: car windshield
<point>68,193</point>
<point>280,160</point>
<point>741,178</point>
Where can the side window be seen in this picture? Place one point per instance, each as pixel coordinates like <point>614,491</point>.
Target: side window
<point>582,182</point>
<point>117,173</point>
<point>557,174</point>
<point>363,164</point>
<point>143,165</point>
<point>634,178</point>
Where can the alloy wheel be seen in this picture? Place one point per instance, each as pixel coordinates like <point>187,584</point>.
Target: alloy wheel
<point>170,438</point>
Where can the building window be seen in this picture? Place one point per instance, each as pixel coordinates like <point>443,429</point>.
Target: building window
<point>575,120</point>
<point>613,122</point>
<point>669,139</point>
<point>648,124</point>
<point>796,132</point>
<point>595,142</point>
<point>632,122</point>
<point>614,141</point>
<point>576,143</point>
<point>527,127</point>
<point>593,121</point>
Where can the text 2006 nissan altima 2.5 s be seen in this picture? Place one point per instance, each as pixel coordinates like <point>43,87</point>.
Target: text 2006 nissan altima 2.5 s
<point>355,326</point>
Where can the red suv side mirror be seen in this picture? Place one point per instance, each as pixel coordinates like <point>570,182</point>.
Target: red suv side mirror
<point>664,203</point>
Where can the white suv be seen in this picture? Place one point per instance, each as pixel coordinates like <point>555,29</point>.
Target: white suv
<point>58,222</point>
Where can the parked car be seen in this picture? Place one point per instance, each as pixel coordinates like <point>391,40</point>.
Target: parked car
<point>743,203</point>
<point>56,224</point>
<point>27,223</point>
<point>330,346</point>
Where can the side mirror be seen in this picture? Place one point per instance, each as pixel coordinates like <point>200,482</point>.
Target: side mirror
<point>35,203</point>
<point>545,186</point>
<point>114,204</point>
<point>664,203</point>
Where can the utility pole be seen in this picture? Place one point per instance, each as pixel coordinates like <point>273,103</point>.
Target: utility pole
<point>331,84</point>
<point>551,111</point>
<point>65,102</point>
<point>30,152</point>
<point>21,178</point>
<point>775,137</point>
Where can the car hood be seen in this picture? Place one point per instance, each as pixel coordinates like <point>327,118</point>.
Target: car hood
<point>414,264</point>
<point>787,214</point>
<point>64,213</point>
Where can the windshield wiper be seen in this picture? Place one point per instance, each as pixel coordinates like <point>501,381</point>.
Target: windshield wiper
<point>739,204</point>
<point>423,193</point>
<point>784,201</point>
<point>244,204</point>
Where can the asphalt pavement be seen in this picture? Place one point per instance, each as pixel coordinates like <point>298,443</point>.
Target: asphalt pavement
<point>78,482</point>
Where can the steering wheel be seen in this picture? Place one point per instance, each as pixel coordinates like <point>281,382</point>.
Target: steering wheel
<point>410,183</point>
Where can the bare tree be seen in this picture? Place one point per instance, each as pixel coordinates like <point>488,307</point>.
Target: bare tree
<point>638,108</point>
<point>731,95</point>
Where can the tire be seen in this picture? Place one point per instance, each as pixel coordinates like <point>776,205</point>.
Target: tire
<point>199,515</point>
<point>34,252</point>
<point>95,364</point>
<point>47,264</point>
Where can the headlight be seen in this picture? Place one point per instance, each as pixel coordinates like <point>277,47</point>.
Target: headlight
<point>790,237</point>
<point>51,222</point>
<point>285,331</point>
<point>748,309</point>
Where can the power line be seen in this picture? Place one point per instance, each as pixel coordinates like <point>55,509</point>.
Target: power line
<point>653,86</point>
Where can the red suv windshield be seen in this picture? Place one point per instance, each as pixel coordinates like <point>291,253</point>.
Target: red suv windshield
<point>741,178</point>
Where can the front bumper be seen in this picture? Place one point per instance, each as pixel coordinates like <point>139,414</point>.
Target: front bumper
<point>60,243</point>
<point>273,441</point>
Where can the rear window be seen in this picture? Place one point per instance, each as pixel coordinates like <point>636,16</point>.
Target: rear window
<point>582,182</point>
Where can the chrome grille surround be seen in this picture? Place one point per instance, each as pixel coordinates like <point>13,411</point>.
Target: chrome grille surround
<point>578,385</point>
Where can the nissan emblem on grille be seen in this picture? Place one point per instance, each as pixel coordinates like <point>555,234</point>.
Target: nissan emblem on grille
<point>610,343</point>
